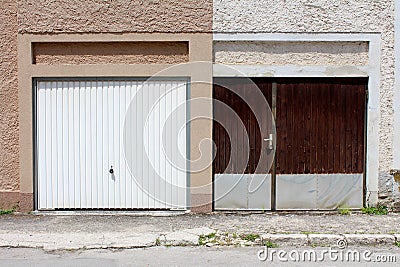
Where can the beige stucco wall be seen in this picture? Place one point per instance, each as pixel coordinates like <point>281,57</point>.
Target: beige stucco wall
<point>114,21</point>
<point>107,21</point>
<point>292,53</point>
<point>9,124</point>
<point>111,53</point>
<point>75,16</point>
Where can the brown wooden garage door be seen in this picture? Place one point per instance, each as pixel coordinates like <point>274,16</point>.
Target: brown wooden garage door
<point>320,125</point>
<point>235,154</point>
<point>320,137</point>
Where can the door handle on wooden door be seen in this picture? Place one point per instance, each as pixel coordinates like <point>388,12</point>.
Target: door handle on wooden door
<point>271,141</point>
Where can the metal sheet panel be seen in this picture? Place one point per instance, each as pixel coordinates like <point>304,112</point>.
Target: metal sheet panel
<point>242,191</point>
<point>319,191</point>
<point>259,188</point>
<point>80,127</point>
<point>296,191</point>
<point>340,190</point>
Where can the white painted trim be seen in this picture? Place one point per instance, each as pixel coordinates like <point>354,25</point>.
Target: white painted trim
<point>290,71</point>
<point>372,71</point>
<point>296,37</point>
<point>396,100</point>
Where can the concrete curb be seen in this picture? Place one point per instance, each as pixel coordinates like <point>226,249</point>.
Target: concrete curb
<point>332,240</point>
<point>188,237</point>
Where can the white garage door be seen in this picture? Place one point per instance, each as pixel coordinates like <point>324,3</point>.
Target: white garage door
<point>111,144</point>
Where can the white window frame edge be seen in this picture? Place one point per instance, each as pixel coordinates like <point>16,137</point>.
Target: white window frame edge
<point>372,71</point>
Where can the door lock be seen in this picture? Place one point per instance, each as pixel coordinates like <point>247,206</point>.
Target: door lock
<point>111,170</point>
<point>270,141</point>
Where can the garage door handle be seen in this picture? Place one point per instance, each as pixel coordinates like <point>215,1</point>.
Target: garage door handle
<point>270,141</point>
<point>111,170</point>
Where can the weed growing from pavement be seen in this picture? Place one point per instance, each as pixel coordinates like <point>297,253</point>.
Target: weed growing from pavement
<point>397,244</point>
<point>250,237</point>
<point>378,210</point>
<point>270,244</point>
<point>230,239</point>
<point>8,211</point>
<point>344,211</point>
<point>204,239</point>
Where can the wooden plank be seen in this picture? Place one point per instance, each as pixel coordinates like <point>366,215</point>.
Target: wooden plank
<point>354,128</point>
<point>307,106</point>
<point>348,123</point>
<point>314,140</point>
<point>336,127</point>
<point>342,133</point>
<point>361,127</point>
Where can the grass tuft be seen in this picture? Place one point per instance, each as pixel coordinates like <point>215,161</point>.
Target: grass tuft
<point>378,210</point>
<point>270,244</point>
<point>9,211</point>
<point>250,237</point>
<point>344,211</point>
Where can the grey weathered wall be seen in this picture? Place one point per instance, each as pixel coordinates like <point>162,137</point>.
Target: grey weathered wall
<point>326,16</point>
<point>292,53</point>
<point>9,137</point>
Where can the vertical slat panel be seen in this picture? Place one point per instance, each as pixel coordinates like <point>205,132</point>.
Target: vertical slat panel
<point>139,140</point>
<point>150,118</point>
<point>82,144</point>
<point>132,117</point>
<point>112,96</point>
<point>52,141</point>
<point>59,147</point>
<point>93,139</point>
<point>145,140</point>
<point>174,144</point>
<point>115,144</point>
<point>331,141</point>
<point>48,133</point>
<point>41,137</point>
<point>158,182</point>
<point>76,145</point>
<point>104,142</point>
<point>88,145</point>
<point>65,145</point>
<point>163,164</point>
<point>80,136</point>
<point>100,145</point>
<point>122,166</point>
<point>181,153</point>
